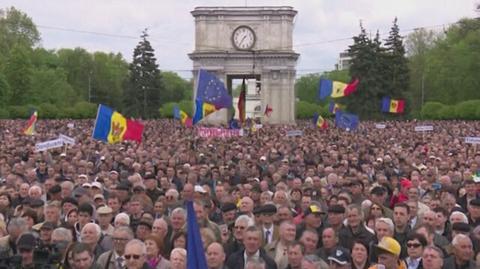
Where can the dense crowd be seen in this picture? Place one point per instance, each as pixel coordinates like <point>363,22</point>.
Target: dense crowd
<point>368,198</point>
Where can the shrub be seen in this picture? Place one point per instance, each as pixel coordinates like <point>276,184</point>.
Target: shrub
<point>4,113</point>
<point>306,110</point>
<point>48,111</point>
<point>431,109</point>
<point>447,113</point>
<point>467,110</point>
<point>19,112</point>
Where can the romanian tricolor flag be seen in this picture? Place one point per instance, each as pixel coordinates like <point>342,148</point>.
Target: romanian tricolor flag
<point>30,129</point>
<point>202,110</point>
<point>334,107</point>
<point>336,89</point>
<point>392,106</point>
<point>319,121</point>
<point>113,127</point>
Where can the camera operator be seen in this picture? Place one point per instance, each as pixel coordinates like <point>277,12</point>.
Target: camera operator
<point>61,239</point>
<point>46,233</point>
<point>25,246</point>
<point>8,243</point>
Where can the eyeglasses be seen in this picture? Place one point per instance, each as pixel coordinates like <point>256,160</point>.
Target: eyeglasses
<point>134,256</point>
<point>413,245</point>
<point>169,197</point>
<point>119,239</point>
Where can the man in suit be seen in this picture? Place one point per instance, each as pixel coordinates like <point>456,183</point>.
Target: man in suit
<point>252,240</point>
<point>113,259</point>
<point>215,256</point>
<point>269,230</point>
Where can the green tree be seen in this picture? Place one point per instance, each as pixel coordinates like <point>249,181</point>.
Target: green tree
<point>418,44</point>
<point>306,87</point>
<point>109,73</point>
<point>366,66</point>
<point>4,91</point>
<point>176,88</point>
<point>452,65</point>
<point>396,72</point>
<point>19,74</point>
<point>16,29</point>
<point>50,86</point>
<point>78,64</point>
<point>144,90</point>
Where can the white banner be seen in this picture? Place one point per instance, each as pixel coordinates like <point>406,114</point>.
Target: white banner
<point>295,133</point>
<point>380,126</point>
<point>423,128</point>
<point>51,144</point>
<point>67,139</point>
<point>472,140</point>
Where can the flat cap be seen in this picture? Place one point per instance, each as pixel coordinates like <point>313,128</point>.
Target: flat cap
<point>228,207</point>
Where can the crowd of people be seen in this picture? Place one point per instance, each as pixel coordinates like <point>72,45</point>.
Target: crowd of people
<point>366,198</point>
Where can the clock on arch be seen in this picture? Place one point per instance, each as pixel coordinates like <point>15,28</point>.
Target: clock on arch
<point>243,38</point>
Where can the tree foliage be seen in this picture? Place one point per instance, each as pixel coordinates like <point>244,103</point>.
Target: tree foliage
<point>144,90</point>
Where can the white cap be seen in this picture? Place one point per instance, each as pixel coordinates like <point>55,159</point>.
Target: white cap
<point>87,185</point>
<point>97,185</point>
<point>200,189</point>
<point>263,158</point>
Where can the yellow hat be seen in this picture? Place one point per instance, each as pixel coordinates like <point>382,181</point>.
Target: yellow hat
<point>389,245</point>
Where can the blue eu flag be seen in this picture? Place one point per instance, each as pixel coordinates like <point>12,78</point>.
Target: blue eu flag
<point>195,252</point>
<point>346,120</point>
<point>211,90</point>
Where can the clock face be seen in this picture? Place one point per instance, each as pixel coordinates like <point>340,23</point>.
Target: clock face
<point>243,38</point>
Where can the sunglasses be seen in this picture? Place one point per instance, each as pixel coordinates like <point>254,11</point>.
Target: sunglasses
<point>413,245</point>
<point>134,256</point>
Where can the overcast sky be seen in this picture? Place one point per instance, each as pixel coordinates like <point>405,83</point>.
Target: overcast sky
<point>320,32</point>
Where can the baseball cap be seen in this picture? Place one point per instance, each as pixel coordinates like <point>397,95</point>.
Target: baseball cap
<point>26,241</point>
<point>48,226</point>
<point>97,185</point>
<point>389,245</point>
<point>200,189</point>
<point>104,210</point>
<point>98,196</point>
<point>86,185</point>
<point>339,256</point>
<point>336,209</point>
<point>313,209</point>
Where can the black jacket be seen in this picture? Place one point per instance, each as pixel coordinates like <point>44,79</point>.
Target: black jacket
<point>346,236</point>
<point>237,261</point>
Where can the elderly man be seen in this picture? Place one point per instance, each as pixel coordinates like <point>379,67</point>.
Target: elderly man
<point>462,253</point>
<point>309,239</point>
<point>61,239</point>
<point>354,228</point>
<point>104,214</point>
<point>121,236</point>
<point>135,255</point>
<point>432,258</point>
<point>235,242</point>
<point>253,251</point>
<point>15,228</point>
<point>215,256</point>
<point>92,236</point>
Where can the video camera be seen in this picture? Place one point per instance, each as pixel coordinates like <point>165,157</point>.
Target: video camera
<point>44,257</point>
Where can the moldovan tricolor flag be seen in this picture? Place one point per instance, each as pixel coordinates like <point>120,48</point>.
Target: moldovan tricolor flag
<point>392,105</point>
<point>113,127</point>
<point>30,130</point>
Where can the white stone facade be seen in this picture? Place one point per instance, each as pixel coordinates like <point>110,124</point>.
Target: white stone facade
<point>271,59</point>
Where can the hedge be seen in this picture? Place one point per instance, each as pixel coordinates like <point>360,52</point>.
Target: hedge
<point>467,110</point>
<point>166,110</point>
<point>81,110</point>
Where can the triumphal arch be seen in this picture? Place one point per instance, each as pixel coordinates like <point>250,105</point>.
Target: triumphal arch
<point>253,43</point>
